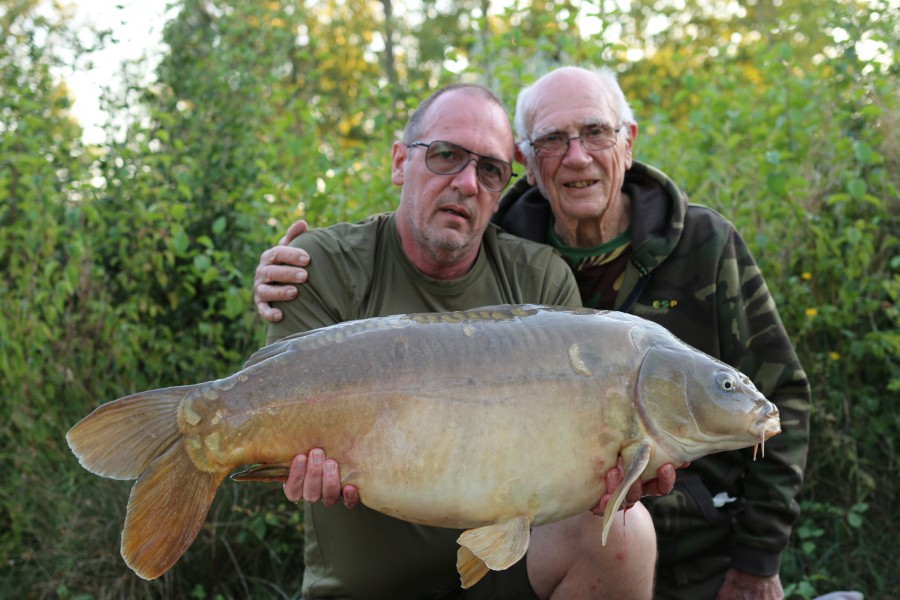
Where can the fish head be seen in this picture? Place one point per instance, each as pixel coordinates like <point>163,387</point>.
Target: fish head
<point>692,404</point>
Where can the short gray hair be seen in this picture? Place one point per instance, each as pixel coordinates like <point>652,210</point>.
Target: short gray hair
<point>604,74</point>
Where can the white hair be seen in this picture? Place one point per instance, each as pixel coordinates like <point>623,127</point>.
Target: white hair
<point>525,106</point>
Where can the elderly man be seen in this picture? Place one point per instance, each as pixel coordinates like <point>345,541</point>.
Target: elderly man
<point>439,252</point>
<point>635,244</point>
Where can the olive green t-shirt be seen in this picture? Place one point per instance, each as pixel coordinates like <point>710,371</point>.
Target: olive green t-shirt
<point>359,271</point>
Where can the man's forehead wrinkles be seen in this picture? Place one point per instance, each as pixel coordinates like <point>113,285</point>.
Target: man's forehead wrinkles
<point>587,122</point>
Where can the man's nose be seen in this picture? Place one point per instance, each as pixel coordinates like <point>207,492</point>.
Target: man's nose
<point>575,153</point>
<point>466,181</point>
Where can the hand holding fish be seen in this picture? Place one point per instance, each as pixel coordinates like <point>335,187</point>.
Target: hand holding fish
<point>660,486</point>
<point>317,478</point>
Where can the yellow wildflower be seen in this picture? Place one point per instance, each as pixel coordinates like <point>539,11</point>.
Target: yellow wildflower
<point>811,312</point>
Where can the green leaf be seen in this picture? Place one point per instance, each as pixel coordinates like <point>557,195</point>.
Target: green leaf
<point>865,154</point>
<point>201,262</point>
<point>777,183</point>
<point>210,275</point>
<point>180,242</point>
<point>837,198</point>
<point>857,188</point>
<point>258,527</point>
<point>235,304</point>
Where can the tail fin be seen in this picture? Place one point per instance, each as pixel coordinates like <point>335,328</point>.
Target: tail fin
<point>120,438</point>
<point>167,507</point>
<point>138,437</point>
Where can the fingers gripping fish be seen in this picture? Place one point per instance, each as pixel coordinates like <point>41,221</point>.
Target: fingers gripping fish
<point>471,420</point>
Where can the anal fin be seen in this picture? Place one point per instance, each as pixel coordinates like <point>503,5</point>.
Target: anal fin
<point>471,568</point>
<point>497,547</point>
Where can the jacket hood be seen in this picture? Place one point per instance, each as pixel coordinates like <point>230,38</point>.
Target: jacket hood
<point>658,210</point>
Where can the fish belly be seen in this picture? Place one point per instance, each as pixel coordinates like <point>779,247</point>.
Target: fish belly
<point>466,464</point>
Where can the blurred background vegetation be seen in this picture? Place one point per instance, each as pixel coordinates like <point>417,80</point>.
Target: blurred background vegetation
<point>127,265</point>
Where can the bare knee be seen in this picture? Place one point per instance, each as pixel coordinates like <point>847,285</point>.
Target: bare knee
<point>567,559</point>
<point>634,558</point>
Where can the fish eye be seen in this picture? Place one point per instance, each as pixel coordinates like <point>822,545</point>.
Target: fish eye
<point>726,381</point>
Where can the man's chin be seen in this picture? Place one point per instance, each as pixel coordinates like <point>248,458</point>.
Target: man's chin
<point>449,240</point>
<point>580,206</point>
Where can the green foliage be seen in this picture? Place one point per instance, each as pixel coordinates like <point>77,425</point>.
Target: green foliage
<point>799,154</point>
<point>128,266</point>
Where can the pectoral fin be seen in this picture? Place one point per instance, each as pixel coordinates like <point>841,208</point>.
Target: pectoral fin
<point>263,473</point>
<point>496,547</point>
<point>635,459</point>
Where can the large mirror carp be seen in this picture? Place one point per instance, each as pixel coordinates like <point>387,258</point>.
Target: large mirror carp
<point>472,420</point>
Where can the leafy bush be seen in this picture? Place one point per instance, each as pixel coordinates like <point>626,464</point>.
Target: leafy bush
<point>128,267</point>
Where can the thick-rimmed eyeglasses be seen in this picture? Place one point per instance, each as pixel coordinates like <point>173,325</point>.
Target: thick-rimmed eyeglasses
<point>592,137</point>
<point>445,158</point>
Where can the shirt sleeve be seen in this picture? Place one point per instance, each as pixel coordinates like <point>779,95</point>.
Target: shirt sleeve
<point>338,280</point>
<point>754,340</point>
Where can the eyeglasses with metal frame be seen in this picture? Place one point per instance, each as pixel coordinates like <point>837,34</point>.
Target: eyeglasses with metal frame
<point>592,137</point>
<point>447,158</point>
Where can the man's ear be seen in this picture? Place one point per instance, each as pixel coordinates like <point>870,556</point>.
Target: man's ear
<point>629,147</point>
<point>520,158</point>
<point>398,161</point>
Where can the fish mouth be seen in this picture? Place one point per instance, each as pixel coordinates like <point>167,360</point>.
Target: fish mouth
<point>771,426</point>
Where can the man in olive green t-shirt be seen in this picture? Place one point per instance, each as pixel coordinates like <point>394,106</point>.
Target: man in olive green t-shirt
<point>439,253</point>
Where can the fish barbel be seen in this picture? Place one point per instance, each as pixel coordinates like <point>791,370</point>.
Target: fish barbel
<point>473,420</point>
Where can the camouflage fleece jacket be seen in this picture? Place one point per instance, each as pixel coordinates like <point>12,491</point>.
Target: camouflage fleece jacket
<point>691,272</point>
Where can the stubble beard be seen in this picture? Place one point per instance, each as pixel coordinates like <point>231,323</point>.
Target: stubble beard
<point>446,246</point>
